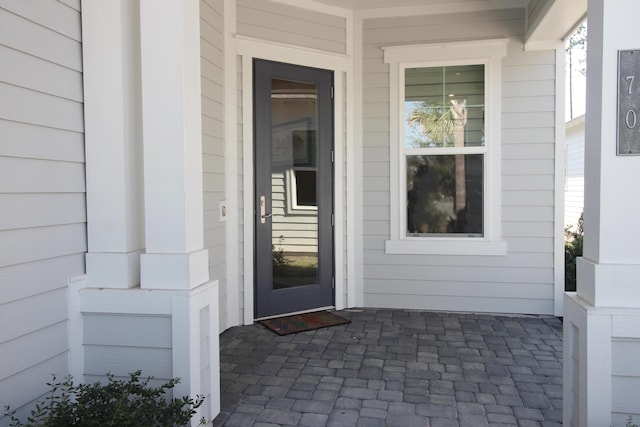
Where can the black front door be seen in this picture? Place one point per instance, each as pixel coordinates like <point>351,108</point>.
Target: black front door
<point>293,134</point>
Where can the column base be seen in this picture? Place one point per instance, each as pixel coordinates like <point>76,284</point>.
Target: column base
<point>608,285</point>
<point>174,271</point>
<point>601,376</point>
<point>166,333</point>
<point>113,270</point>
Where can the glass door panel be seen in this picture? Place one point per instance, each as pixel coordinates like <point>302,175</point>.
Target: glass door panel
<point>294,209</point>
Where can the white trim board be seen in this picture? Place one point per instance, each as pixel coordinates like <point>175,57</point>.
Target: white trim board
<point>231,165</point>
<point>291,54</point>
<point>558,203</point>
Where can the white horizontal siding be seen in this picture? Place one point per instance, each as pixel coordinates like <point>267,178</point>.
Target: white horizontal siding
<point>127,330</point>
<point>212,87</point>
<point>18,317</point>
<point>25,387</point>
<point>42,185</point>
<point>40,209</point>
<point>53,15</point>
<point>530,260</point>
<point>464,26</point>
<point>25,280</point>
<point>33,244</point>
<point>43,42</point>
<point>122,361</point>
<point>625,371</point>
<point>625,380</point>
<point>40,75</point>
<point>423,301</point>
<point>31,141</point>
<point>30,106</point>
<point>521,281</point>
<point>51,341</point>
<point>40,176</point>
<point>122,343</point>
<point>74,4</point>
<point>291,25</point>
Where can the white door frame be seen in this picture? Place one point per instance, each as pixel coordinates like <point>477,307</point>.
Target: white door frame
<point>248,49</point>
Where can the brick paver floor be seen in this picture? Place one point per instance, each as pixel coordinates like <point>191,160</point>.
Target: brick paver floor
<point>399,368</point>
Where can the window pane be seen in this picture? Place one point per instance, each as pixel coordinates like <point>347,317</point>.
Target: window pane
<point>444,106</point>
<point>445,195</point>
<point>305,187</point>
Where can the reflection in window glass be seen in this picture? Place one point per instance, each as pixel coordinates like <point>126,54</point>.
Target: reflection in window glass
<point>444,150</point>
<point>444,106</point>
<point>445,194</point>
<point>305,187</point>
<point>294,234</point>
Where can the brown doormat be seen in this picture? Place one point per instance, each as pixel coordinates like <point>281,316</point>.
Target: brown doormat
<point>303,322</point>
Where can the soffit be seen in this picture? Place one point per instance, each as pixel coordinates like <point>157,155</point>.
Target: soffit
<point>554,23</point>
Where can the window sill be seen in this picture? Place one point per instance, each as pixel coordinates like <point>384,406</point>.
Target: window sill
<point>435,246</point>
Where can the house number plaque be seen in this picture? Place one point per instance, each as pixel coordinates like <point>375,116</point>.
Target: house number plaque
<point>628,102</point>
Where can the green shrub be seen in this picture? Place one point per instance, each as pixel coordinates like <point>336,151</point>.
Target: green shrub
<point>130,403</point>
<point>279,259</point>
<point>573,243</point>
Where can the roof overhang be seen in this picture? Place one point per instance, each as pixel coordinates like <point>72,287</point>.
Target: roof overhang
<point>553,22</point>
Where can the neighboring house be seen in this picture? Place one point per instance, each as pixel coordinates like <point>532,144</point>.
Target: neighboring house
<point>200,132</point>
<point>574,181</point>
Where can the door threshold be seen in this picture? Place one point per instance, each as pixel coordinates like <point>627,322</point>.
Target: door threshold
<point>329,307</point>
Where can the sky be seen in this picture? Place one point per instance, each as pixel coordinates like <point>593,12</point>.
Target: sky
<point>576,82</point>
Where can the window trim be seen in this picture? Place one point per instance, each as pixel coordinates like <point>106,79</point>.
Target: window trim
<point>489,53</point>
<point>292,193</point>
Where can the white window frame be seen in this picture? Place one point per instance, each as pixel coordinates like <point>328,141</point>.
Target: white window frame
<point>488,53</point>
<point>292,192</point>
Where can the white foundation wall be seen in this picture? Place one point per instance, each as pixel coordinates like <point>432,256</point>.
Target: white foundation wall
<point>602,382</point>
<point>522,281</point>
<point>42,192</point>
<point>165,334</point>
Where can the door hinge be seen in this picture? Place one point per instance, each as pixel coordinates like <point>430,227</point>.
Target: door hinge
<point>333,220</point>
<point>333,156</point>
<point>331,92</point>
<point>333,283</point>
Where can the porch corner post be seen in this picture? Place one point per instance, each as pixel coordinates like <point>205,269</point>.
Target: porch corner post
<point>175,257</point>
<point>113,142</point>
<point>602,318</point>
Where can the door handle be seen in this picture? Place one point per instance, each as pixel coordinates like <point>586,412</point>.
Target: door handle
<point>263,214</point>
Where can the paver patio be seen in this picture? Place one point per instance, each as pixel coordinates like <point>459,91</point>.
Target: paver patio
<point>396,368</point>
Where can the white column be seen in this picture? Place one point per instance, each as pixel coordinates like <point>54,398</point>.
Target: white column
<point>171,112</point>
<point>113,137</point>
<point>608,273</point>
<point>597,376</point>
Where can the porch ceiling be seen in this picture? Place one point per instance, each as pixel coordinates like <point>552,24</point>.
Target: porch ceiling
<point>555,22</point>
<point>551,23</point>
